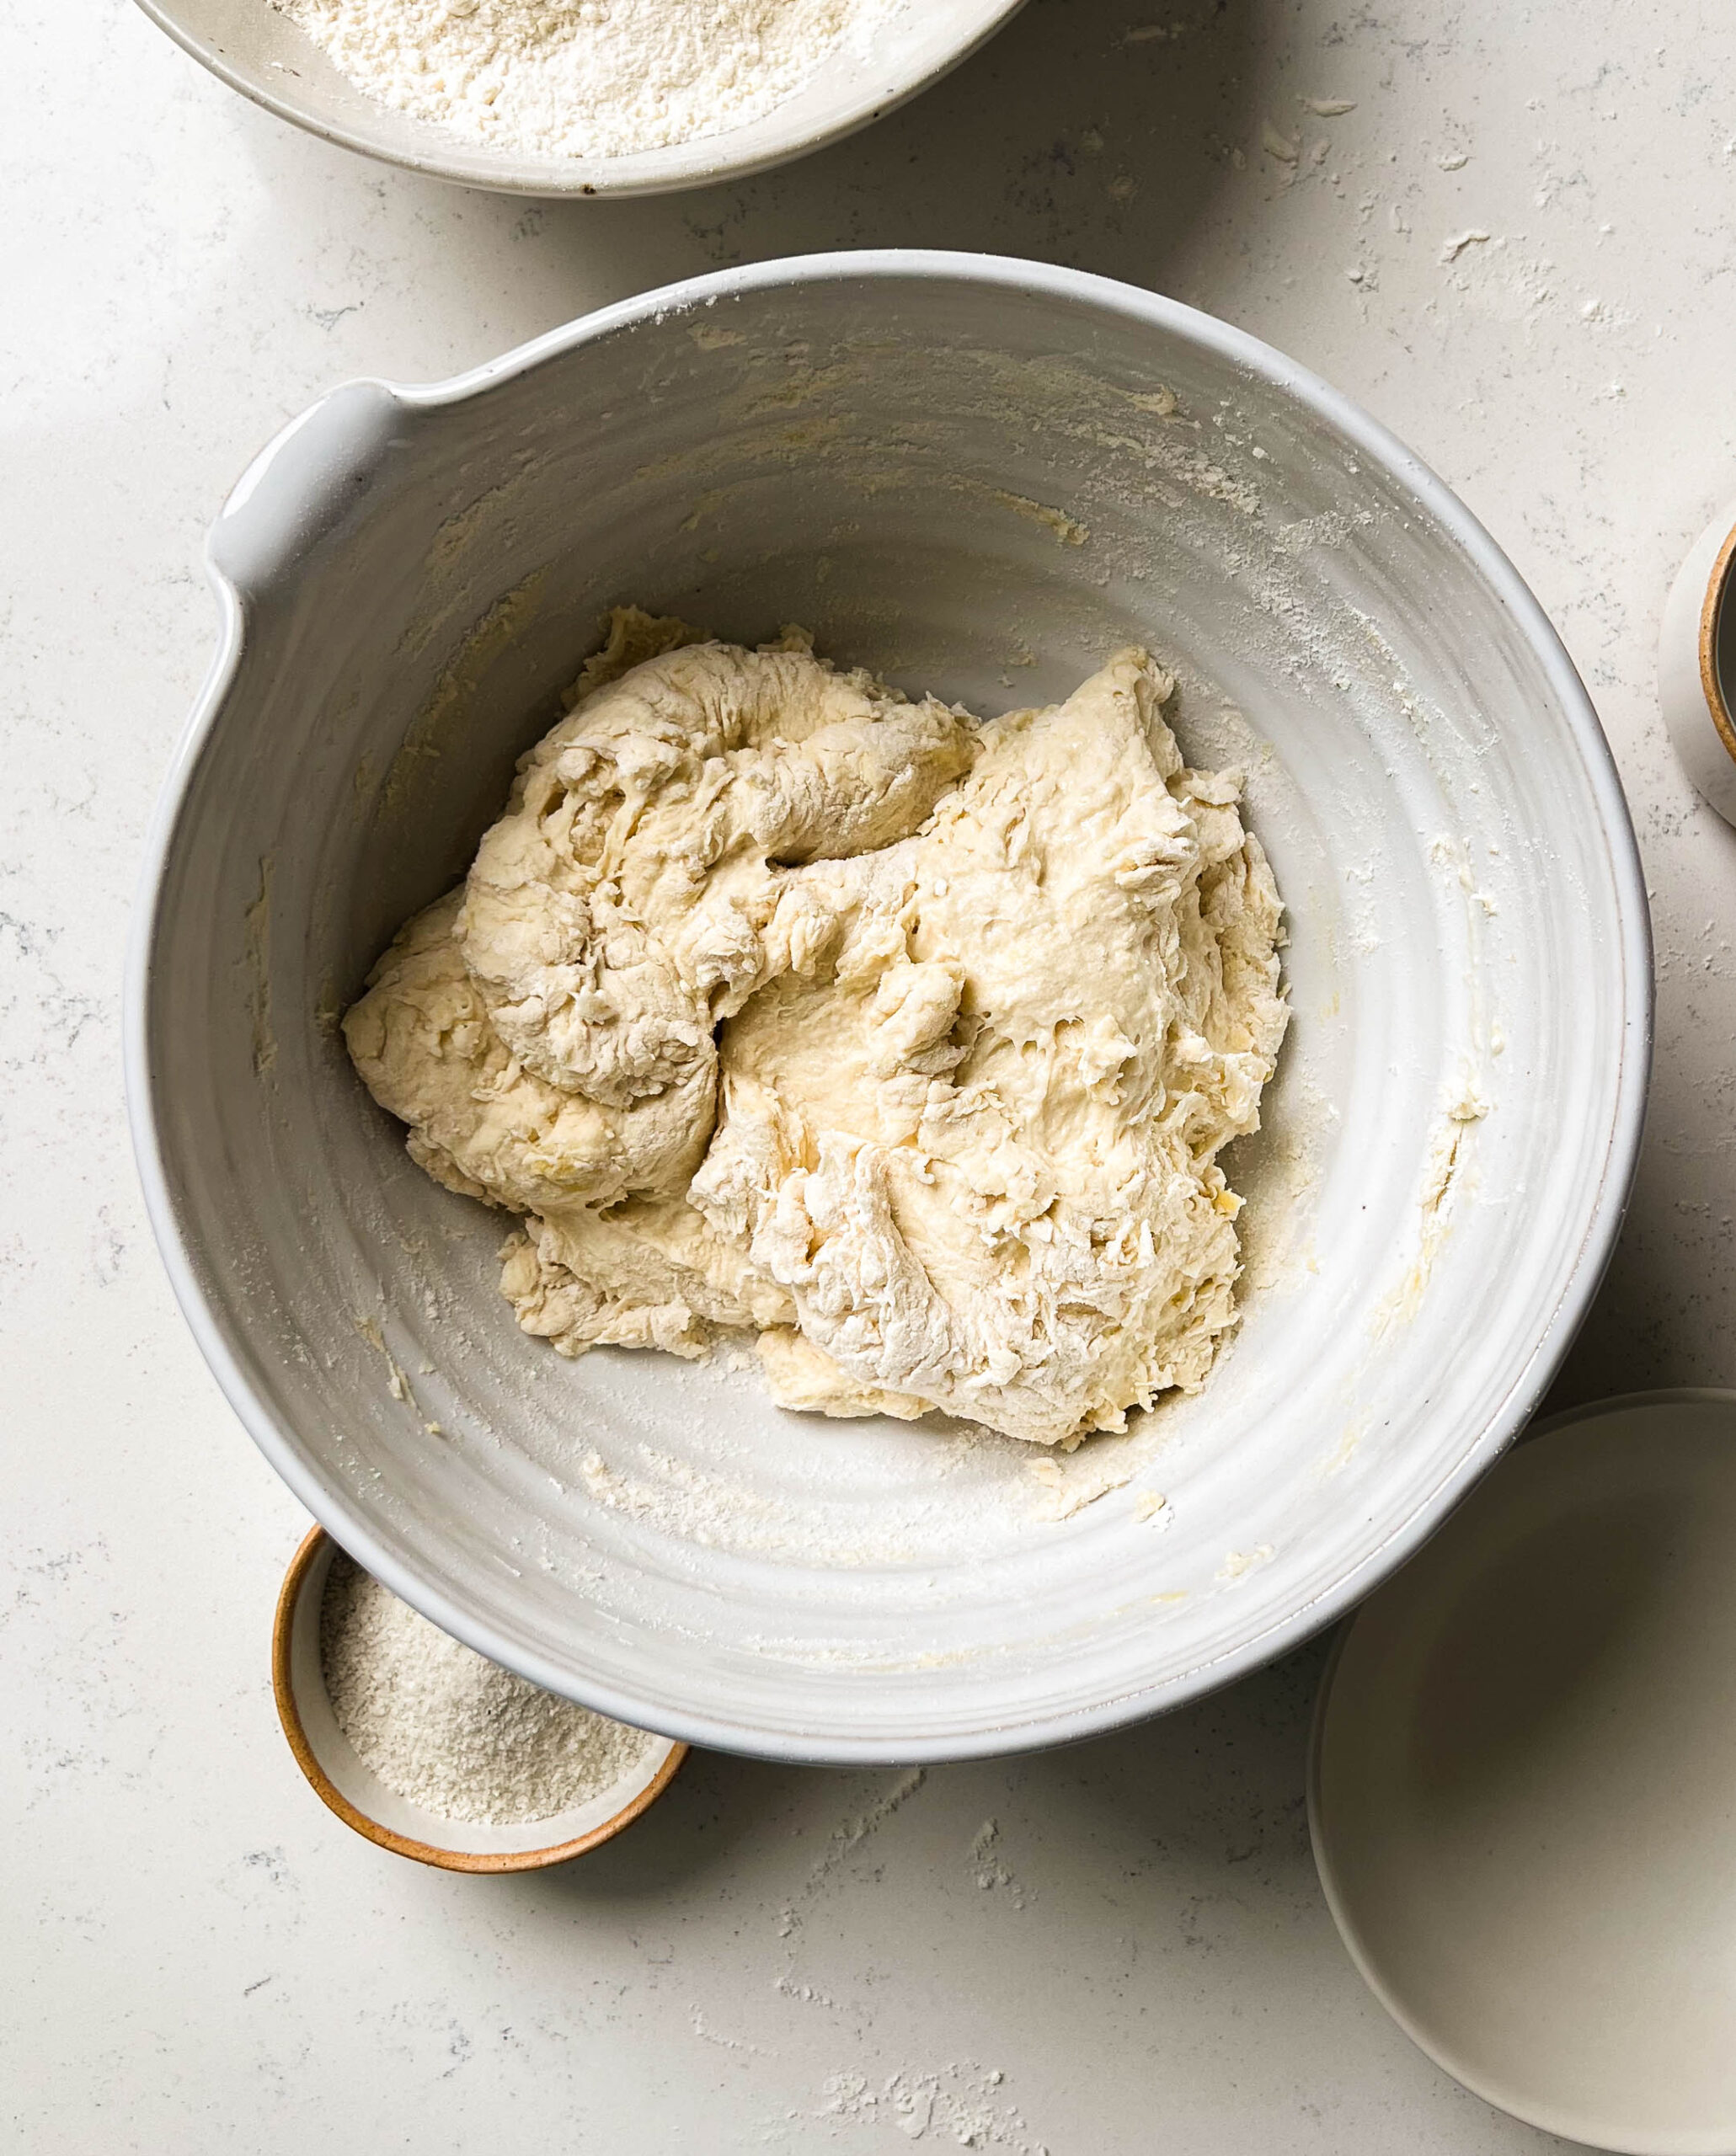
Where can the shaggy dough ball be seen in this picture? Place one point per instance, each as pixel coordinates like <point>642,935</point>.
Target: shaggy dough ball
<point>777,1002</point>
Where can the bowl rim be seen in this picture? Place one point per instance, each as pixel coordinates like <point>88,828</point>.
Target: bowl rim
<point>313,1546</point>
<point>1529,1382</point>
<point>688,164</point>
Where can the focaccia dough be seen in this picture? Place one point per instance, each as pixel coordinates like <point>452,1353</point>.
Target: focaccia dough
<point>778,1003</point>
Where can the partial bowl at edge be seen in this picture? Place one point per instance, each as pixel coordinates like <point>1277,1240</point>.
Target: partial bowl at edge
<point>256,49</point>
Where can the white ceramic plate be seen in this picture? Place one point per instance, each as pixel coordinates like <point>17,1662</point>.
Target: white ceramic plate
<point>979,477</point>
<point>250,45</point>
<point>1523,1793</point>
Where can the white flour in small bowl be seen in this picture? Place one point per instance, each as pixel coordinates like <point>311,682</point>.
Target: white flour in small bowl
<point>584,78</point>
<point>452,1730</point>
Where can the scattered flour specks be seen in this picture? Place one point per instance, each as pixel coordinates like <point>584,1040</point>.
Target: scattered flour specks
<point>843,1843</point>
<point>1451,249</point>
<point>988,1868</point>
<point>957,2104</point>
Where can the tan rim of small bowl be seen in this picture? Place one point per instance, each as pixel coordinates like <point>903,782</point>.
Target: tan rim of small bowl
<point>1713,688</point>
<point>288,1714</point>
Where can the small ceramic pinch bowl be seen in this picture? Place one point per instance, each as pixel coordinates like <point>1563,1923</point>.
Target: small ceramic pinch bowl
<point>362,1800</point>
<point>257,50</point>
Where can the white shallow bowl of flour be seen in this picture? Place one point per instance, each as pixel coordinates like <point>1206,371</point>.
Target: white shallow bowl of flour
<point>979,477</point>
<point>899,48</point>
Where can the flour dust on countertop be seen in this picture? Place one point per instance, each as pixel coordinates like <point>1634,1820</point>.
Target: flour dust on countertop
<point>448,1729</point>
<point>585,78</point>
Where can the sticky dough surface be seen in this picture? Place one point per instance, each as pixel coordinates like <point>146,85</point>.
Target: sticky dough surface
<point>777,1003</point>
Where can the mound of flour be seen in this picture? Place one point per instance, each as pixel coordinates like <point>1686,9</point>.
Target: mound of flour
<point>584,78</point>
<point>449,1730</point>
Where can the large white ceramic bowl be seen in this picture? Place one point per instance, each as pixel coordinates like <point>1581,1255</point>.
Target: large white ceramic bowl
<point>249,45</point>
<point>978,476</point>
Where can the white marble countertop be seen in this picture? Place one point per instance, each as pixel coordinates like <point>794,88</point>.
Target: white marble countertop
<point>1517,247</point>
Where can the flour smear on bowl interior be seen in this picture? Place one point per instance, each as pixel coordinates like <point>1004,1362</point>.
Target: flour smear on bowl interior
<point>589,78</point>
<point>780,1005</point>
